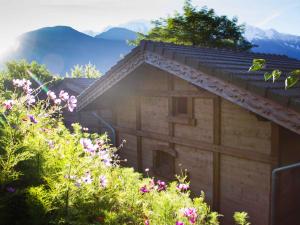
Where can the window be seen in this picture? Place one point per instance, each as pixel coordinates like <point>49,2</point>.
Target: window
<point>164,163</point>
<point>180,106</point>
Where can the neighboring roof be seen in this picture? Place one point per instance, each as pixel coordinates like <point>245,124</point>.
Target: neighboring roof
<point>220,71</point>
<point>75,85</point>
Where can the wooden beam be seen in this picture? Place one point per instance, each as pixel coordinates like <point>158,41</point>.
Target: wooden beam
<point>171,109</point>
<point>115,121</point>
<point>275,152</point>
<point>176,93</point>
<point>275,143</point>
<point>138,138</point>
<point>184,120</point>
<point>216,155</point>
<point>231,151</point>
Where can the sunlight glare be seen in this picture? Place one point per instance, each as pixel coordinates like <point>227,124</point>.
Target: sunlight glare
<point>8,44</point>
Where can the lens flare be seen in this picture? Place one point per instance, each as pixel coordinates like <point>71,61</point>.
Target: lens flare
<point>34,77</point>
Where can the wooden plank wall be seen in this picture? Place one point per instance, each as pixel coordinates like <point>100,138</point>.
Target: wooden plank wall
<point>228,152</point>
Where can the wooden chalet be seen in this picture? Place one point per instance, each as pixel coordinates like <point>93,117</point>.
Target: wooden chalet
<point>182,107</point>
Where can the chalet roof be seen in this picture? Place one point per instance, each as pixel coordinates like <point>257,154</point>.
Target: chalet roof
<point>74,85</point>
<point>221,71</point>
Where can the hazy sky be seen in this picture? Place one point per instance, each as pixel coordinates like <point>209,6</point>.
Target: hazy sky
<point>18,16</point>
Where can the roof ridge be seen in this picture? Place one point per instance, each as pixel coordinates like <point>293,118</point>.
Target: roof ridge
<point>255,54</point>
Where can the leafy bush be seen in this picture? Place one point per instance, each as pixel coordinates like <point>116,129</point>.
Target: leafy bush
<point>87,71</point>
<point>49,175</point>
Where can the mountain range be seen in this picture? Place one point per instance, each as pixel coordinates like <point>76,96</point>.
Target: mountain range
<point>62,47</point>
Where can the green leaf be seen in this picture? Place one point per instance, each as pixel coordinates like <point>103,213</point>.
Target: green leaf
<point>290,81</point>
<point>295,73</point>
<point>257,64</point>
<point>276,74</point>
<point>267,76</point>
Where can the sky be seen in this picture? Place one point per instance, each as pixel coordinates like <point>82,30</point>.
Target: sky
<point>19,16</point>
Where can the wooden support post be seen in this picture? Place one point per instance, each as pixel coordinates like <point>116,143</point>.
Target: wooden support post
<point>275,154</point>
<point>216,155</point>
<point>138,137</point>
<point>171,109</point>
<point>115,123</point>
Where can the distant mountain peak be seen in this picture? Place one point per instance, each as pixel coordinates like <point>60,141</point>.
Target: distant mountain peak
<point>272,41</point>
<point>118,33</point>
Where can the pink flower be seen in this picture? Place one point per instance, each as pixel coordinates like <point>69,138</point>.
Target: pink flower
<point>72,103</point>
<point>8,104</point>
<point>179,223</point>
<point>152,183</point>
<point>87,178</point>
<point>191,214</point>
<point>161,185</point>
<point>88,146</point>
<point>30,99</point>
<point>183,187</point>
<point>147,222</point>
<point>103,181</point>
<point>57,101</point>
<point>51,95</point>
<point>25,84</point>
<point>18,82</point>
<point>144,189</point>
<point>64,96</point>
<point>105,157</point>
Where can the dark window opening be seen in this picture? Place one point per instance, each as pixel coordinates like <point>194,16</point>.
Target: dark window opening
<point>164,164</point>
<point>180,105</point>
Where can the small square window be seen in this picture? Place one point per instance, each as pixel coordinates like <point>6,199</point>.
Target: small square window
<point>180,105</point>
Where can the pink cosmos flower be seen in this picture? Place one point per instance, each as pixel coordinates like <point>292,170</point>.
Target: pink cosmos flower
<point>147,222</point>
<point>72,103</point>
<point>152,183</point>
<point>57,101</point>
<point>51,144</point>
<point>183,187</point>
<point>30,99</point>
<point>179,223</point>
<point>64,96</point>
<point>144,189</point>
<point>88,145</point>
<point>161,185</point>
<point>18,82</point>
<point>103,181</point>
<point>51,95</point>
<point>105,157</point>
<point>87,179</point>
<point>191,214</point>
<point>8,104</point>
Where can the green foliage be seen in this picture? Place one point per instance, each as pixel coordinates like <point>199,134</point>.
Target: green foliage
<point>198,27</point>
<point>257,64</point>
<point>19,70</point>
<point>86,71</point>
<point>241,218</point>
<point>291,78</point>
